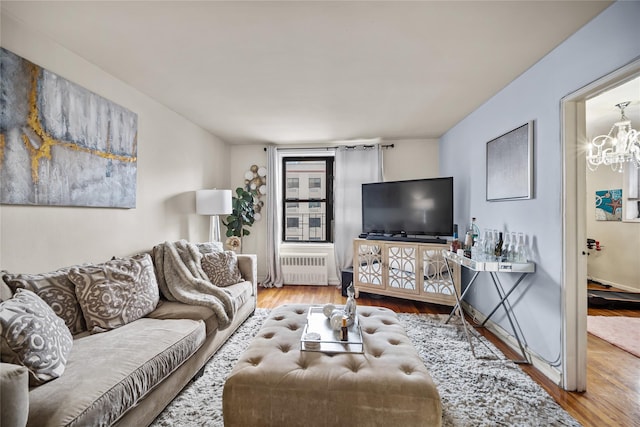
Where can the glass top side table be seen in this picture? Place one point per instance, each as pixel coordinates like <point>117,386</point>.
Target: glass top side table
<point>493,268</point>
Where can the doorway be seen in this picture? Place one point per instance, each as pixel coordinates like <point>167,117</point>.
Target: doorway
<point>573,138</point>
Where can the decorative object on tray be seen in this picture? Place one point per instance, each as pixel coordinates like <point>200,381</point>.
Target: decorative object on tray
<point>312,340</point>
<point>350,307</point>
<point>328,327</point>
<point>335,314</point>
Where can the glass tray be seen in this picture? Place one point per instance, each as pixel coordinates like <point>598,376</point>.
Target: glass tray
<point>329,342</point>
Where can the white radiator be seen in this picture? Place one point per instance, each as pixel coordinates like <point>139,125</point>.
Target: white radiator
<point>304,269</point>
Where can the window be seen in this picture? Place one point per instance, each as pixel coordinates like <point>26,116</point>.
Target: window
<point>308,198</point>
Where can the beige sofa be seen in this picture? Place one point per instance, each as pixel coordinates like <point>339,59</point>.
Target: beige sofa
<point>126,376</point>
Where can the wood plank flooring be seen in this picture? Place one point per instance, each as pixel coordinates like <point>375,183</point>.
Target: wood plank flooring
<point>613,375</point>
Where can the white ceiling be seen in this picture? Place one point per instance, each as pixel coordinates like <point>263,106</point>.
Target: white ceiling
<point>601,111</point>
<point>297,71</point>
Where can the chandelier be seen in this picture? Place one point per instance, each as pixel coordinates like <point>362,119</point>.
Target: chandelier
<point>619,146</point>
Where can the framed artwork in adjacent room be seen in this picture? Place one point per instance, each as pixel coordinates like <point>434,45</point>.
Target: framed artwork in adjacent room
<point>510,165</point>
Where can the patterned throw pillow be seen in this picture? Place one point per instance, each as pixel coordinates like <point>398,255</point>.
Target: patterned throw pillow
<point>222,268</point>
<point>33,336</point>
<point>116,292</point>
<point>55,289</point>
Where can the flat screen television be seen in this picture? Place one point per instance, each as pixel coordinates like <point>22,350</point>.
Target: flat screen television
<point>421,207</point>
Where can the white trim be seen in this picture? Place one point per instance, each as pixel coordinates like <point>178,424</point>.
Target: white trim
<point>614,284</point>
<point>574,271</point>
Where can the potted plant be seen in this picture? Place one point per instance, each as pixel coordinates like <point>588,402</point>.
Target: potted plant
<point>242,215</point>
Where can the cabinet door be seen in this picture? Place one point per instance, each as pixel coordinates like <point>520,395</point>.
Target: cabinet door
<point>368,271</point>
<point>402,265</point>
<point>436,282</point>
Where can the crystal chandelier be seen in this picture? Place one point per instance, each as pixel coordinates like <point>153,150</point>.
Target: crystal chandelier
<point>620,145</point>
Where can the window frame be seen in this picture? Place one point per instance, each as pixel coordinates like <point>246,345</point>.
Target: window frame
<point>328,200</point>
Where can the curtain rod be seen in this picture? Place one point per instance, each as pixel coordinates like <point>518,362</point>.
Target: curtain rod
<point>386,146</point>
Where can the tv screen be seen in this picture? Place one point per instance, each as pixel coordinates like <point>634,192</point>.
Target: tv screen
<point>416,207</point>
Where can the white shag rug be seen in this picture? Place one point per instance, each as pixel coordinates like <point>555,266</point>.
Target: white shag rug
<point>490,391</point>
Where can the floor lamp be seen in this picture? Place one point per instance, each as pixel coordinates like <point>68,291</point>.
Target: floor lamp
<point>213,203</point>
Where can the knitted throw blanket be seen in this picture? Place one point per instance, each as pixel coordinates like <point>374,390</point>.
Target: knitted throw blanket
<point>181,278</point>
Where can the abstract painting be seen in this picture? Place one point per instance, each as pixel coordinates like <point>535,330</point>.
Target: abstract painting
<point>609,205</point>
<point>510,165</point>
<point>61,144</point>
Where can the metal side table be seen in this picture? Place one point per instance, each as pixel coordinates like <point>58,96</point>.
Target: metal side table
<point>493,268</point>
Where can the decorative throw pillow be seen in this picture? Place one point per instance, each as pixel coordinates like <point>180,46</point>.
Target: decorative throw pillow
<point>222,268</point>
<point>209,247</point>
<point>55,289</point>
<point>33,336</point>
<point>116,292</point>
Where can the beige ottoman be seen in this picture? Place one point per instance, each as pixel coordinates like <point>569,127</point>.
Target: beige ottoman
<point>276,384</point>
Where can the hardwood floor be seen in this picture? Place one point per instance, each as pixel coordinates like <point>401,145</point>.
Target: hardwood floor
<point>613,375</point>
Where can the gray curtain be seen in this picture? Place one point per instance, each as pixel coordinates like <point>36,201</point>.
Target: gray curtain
<point>354,167</point>
<point>273,217</point>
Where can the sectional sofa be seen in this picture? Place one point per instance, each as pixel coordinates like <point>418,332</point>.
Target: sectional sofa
<point>115,369</point>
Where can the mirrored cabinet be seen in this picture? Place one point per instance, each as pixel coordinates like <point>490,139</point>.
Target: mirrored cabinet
<point>415,271</point>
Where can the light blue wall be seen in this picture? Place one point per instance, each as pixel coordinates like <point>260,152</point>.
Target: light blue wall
<point>608,42</point>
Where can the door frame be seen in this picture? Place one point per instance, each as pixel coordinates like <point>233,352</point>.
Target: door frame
<point>574,231</point>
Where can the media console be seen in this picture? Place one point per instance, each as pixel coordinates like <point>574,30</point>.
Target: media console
<point>404,269</point>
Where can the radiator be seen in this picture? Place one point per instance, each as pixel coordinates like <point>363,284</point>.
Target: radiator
<point>304,269</point>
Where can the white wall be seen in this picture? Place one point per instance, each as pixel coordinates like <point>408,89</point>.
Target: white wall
<point>617,263</point>
<point>240,160</point>
<point>409,159</point>
<point>606,43</point>
<point>175,157</point>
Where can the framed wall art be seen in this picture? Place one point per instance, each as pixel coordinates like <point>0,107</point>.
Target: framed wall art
<point>510,165</point>
<point>61,144</point>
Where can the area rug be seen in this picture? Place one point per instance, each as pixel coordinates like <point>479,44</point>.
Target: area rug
<point>621,331</point>
<point>490,391</point>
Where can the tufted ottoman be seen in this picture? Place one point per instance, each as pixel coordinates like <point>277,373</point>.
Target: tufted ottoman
<point>276,384</point>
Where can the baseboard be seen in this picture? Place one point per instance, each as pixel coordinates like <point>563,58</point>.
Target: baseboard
<point>614,284</point>
<point>538,362</point>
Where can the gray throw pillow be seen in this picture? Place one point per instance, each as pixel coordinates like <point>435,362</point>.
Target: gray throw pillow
<point>33,336</point>
<point>116,292</point>
<point>55,289</point>
<point>222,268</point>
<point>209,247</point>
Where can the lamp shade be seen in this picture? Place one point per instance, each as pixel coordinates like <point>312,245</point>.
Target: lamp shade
<point>213,202</point>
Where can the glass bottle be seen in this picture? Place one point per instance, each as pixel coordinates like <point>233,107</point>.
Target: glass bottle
<point>455,244</point>
<point>478,247</point>
<point>505,248</point>
<point>475,230</point>
<point>491,245</point>
<point>512,247</point>
<point>497,250</point>
<point>468,244</point>
<point>521,255</point>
